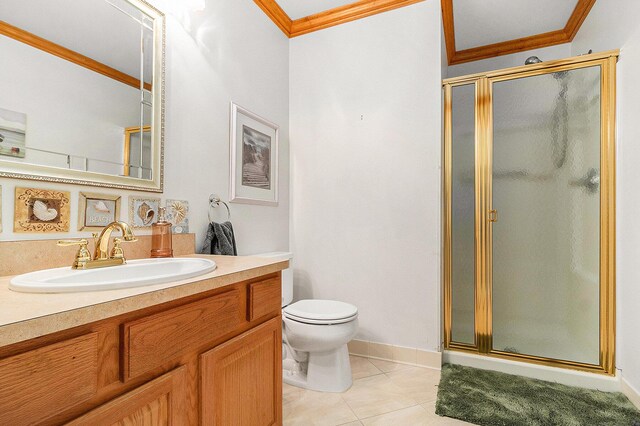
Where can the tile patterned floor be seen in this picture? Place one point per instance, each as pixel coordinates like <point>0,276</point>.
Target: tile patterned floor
<point>383,393</point>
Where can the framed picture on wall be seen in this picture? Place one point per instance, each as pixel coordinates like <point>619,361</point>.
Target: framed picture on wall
<point>143,212</point>
<point>95,211</point>
<point>254,158</point>
<point>41,210</point>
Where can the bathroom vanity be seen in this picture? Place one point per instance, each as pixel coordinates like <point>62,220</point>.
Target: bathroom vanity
<point>207,350</point>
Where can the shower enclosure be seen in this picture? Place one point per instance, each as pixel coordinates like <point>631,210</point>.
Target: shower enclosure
<point>529,213</point>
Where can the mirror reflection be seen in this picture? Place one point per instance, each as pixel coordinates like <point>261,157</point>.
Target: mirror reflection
<point>76,85</point>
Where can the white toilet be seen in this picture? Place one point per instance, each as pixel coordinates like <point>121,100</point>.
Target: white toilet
<point>315,334</point>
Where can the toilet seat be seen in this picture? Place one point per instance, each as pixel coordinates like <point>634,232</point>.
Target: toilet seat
<point>321,312</point>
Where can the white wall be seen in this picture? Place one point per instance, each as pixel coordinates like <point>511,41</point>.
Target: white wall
<point>228,51</point>
<point>613,25</point>
<point>365,146</point>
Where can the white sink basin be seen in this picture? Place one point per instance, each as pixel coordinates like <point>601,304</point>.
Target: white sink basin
<point>135,273</point>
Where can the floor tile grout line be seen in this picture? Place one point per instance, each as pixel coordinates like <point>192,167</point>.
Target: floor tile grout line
<point>349,406</point>
<point>366,377</point>
<point>372,365</point>
<point>389,412</point>
<point>380,414</point>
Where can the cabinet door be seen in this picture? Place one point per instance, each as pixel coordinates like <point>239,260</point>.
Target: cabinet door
<point>241,380</point>
<point>157,403</point>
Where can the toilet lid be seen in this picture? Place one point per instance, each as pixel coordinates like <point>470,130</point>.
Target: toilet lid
<point>320,310</point>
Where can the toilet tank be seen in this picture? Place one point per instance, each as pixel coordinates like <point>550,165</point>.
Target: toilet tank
<point>287,274</point>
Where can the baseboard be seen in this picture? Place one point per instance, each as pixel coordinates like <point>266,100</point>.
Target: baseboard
<point>394,353</point>
<point>551,374</point>
<point>631,393</point>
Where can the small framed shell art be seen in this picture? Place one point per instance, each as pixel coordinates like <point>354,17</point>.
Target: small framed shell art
<point>178,215</point>
<point>41,210</point>
<point>95,211</point>
<point>143,212</point>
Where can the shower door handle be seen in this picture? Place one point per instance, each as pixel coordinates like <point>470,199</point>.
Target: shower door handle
<point>493,216</point>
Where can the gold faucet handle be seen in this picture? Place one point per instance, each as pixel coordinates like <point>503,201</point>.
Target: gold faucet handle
<point>66,243</point>
<point>117,252</point>
<point>82,256</point>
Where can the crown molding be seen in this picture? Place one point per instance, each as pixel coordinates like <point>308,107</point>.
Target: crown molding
<point>344,14</point>
<point>552,38</point>
<point>364,8</point>
<point>329,18</point>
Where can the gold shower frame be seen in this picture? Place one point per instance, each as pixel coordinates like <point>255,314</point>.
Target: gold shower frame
<point>483,82</point>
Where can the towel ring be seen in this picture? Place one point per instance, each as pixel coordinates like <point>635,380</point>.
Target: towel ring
<point>214,202</point>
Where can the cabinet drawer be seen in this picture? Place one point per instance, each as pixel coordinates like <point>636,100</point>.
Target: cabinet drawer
<point>37,384</point>
<point>155,340</point>
<point>265,297</point>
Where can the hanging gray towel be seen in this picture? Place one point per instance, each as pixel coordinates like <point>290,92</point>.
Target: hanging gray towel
<point>220,240</point>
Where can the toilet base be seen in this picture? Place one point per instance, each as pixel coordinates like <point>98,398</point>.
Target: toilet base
<point>324,372</point>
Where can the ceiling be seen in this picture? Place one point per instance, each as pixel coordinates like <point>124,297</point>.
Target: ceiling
<point>478,23</point>
<point>473,29</point>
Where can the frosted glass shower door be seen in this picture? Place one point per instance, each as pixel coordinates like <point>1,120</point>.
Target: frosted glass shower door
<point>546,190</point>
<point>462,193</point>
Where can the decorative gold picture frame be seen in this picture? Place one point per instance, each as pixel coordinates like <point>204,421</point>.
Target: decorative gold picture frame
<point>41,210</point>
<point>95,211</point>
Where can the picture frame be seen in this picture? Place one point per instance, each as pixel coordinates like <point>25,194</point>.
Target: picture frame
<point>95,211</point>
<point>41,210</point>
<point>178,215</point>
<point>254,158</point>
<point>143,211</point>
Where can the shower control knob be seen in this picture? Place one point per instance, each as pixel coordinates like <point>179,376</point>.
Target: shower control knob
<point>591,182</point>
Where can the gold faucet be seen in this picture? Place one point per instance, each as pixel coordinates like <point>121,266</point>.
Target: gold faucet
<point>101,251</point>
<point>101,256</point>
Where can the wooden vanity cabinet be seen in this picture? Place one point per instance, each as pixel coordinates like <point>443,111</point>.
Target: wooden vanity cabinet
<point>239,385</point>
<point>214,358</point>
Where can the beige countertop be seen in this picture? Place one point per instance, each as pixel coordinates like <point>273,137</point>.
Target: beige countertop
<point>25,316</point>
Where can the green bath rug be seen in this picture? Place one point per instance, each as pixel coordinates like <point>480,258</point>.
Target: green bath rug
<point>490,398</point>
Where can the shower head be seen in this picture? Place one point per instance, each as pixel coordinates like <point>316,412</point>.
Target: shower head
<point>532,60</point>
